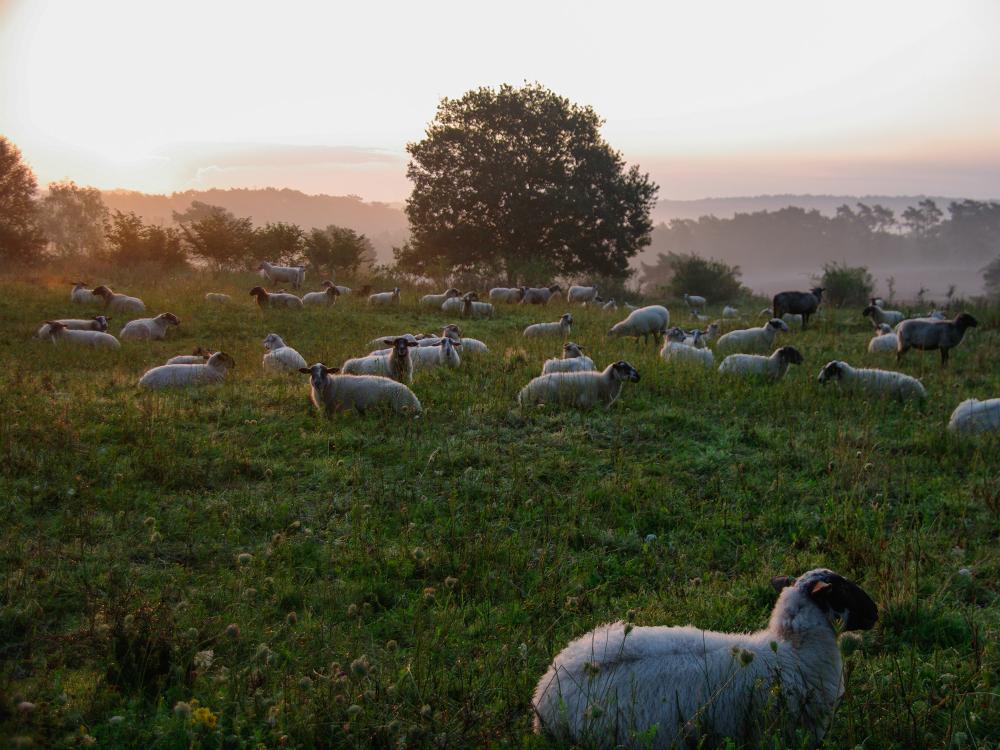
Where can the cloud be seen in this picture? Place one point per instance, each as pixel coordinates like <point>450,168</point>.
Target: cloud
<point>250,156</point>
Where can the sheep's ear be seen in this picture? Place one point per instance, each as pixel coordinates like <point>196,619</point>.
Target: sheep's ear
<point>305,370</point>
<point>782,582</point>
<point>412,343</point>
<point>819,587</point>
<point>389,342</point>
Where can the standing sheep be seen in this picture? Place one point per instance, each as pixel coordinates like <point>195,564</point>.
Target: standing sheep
<point>332,393</point>
<point>694,302</point>
<point>927,335</point>
<point>280,357</point>
<point>436,300</point>
<point>798,303</point>
<point>380,299</point>
<point>396,365</point>
<point>652,319</point>
<point>581,294</point>
<point>294,275</point>
<point>118,302</point>
<point>560,327</point>
<point>275,299</point>
<point>573,360</point>
<point>880,316</point>
<point>583,390</point>
<point>752,340</point>
<point>883,341</point>
<point>154,329</point>
<point>182,376</point>
<point>772,368</point>
<point>325,298</point>
<point>873,382</point>
<point>445,354</point>
<point>511,295</point>
<point>973,417</point>
<point>539,295</point>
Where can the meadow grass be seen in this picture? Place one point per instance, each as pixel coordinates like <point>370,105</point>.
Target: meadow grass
<point>226,568</point>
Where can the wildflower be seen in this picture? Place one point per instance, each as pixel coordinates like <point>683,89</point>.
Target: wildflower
<point>233,630</point>
<point>352,611</point>
<point>244,558</point>
<point>353,710</point>
<point>451,582</point>
<point>360,666</point>
<point>391,645</point>
<point>203,716</point>
<point>182,709</point>
<point>291,618</point>
<point>425,711</point>
<point>203,659</point>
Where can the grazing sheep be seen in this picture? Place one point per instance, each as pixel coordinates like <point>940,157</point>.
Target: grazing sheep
<point>927,335</point>
<point>436,300</point>
<point>883,341</point>
<point>973,417</point>
<point>182,376</point>
<point>332,393</point>
<point>99,323</point>
<point>280,357</point>
<point>652,319</point>
<point>772,368</point>
<point>384,298</point>
<point>665,687</point>
<point>81,295</point>
<point>880,316</point>
<point>580,294</point>
<point>573,360</point>
<point>59,334</point>
<point>730,312</point>
<point>511,295</point>
<point>118,302</point>
<point>198,357</point>
<point>326,298</point>
<point>872,382</point>
<point>341,290</point>
<point>694,302</point>
<point>752,340</point>
<point>580,389</point>
<point>396,365</point>
<point>445,354</point>
<point>610,305</point>
<point>218,297</point>
<point>798,303</point>
<point>294,275</point>
<point>539,295</point>
<point>560,328</point>
<point>275,299</point>
<point>154,329</point>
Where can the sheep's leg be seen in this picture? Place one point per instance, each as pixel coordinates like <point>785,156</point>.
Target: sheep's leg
<point>944,357</point>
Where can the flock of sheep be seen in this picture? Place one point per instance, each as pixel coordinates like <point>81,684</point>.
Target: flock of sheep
<point>618,684</point>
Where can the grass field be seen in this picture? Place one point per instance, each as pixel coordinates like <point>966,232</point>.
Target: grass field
<point>377,581</point>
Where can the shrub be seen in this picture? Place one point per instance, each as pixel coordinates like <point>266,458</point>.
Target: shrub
<point>691,274</point>
<point>846,285</point>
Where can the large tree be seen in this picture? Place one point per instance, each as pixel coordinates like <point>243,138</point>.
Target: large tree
<point>279,243</point>
<point>338,249</point>
<point>217,236</point>
<point>519,181</point>
<point>129,240</point>
<point>73,219</point>
<point>20,238</point>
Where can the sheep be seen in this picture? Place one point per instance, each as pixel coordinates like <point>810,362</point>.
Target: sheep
<point>341,290</point>
<point>396,365</point>
<point>730,312</point>
<point>927,335</point>
<point>699,339</point>
<point>473,346</point>
<point>275,299</point>
<point>468,306</point>
<point>610,305</point>
<point>326,298</point>
<point>510,295</point>
<point>652,319</point>
<point>662,687</point>
<point>883,341</point>
<point>436,300</point>
<point>973,416</point>
<point>694,302</point>
<point>198,357</point>
<point>149,328</point>
<point>877,301</point>
<point>445,354</point>
<point>280,357</point>
<point>629,306</point>
<point>676,352</point>
<point>59,333</point>
<point>791,319</point>
<point>81,295</point>
<point>580,294</point>
<point>118,302</point>
<point>772,368</point>
<point>935,315</point>
<point>873,382</point>
<point>332,392</point>
<point>798,303</point>
<point>384,298</point>
<point>752,340</point>
<point>98,323</point>
<point>218,297</point>
<point>539,295</point>
<point>379,341</point>
<point>580,389</point>
<point>573,360</point>
<point>560,327</point>
<point>879,316</point>
<point>294,275</point>
<point>181,376</point>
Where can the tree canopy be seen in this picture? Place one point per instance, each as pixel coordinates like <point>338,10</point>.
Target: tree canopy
<point>21,239</point>
<point>213,234</point>
<point>520,181</point>
<point>338,249</point>
<point>73,219</point>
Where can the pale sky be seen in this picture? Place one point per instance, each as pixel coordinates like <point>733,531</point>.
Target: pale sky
<point>712,98</point>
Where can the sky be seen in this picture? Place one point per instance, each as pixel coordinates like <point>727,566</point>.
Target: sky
<point>711,98</point>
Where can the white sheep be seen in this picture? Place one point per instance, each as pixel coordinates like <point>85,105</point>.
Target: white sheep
<point>580,294</point>
<point>436,300</point>
<point>973,417</point>
<point>468,306</point>
<point>294,275</point>
<point>772,368</point>
<point>98,323</point>
<point>341,290</point>
<point>883,341</point>
<point>664,687</point>
<point>559,328</point>
<point>118,302</point>
<point>324,298</point>
<point>695,302</point>
<point>792,319</point>
<point>610,305</point>
<point>730,312</point>
<point>396,365</point>
<point>872,382</point>
<point>676,352</point>
<point>182,376</point>
<point>60,334</point>
<point>81,295</point>
<point>280,357</point>
<point>751,340</point>
<point>511,295</point>
<point>652,319</point>
<point>198,357</point>
<point>445,354</point>
<point>331,392</point>
<point>473,346</point>
<point>154,329</point>
<point>379,341</point>
<point>218,297</point>
<point>879,316</point>
<point>539,295</point>
<point>573,360</point>
<point>384,298</point>
<point>580,389</point>
<point>275,299</point>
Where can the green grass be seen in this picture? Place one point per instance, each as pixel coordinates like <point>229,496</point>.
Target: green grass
<point>410,579</point>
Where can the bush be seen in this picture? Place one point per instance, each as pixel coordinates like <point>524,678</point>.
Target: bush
<point>846,285</point>
<point>691,274</point>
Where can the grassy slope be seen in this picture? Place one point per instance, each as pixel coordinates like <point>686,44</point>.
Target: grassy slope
<point>458,552</point>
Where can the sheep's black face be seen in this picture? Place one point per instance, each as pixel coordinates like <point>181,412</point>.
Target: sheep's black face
<point>831,371</point>
<point>102,323</point>
<point>778,324</point>
<point>835,596</point>
<point>257,291</point>
<point>625,371</point>
<point>791,355</point>
<point>870,310</point>
<point>317,373</point>
<point>172,319</point>
<point>966,321</point>
<point>567,318</point>
<point>402,347</point>
<point>817,292</point>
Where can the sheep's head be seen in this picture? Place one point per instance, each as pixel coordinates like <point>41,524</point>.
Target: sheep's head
<point>102,322</point>
<point>884,328</point>
<point>571,350</point>
<point>332,291</point>
<point>555,288</point>
<point>395,291</point>
<point>264,265</point>
<point>222,361</point>
<point>78,285</point>
<point>400,345</point>
<point>831,371</point>
<point>453,292</point>
<point>791,355</point>
<point>713,330</point>
<point>318,373</point>
<point>676,335</point>
<point>470,296</point>
<point>817,292</point>
<point>328,284</point>
<point>169,318</point>
<point>202,352</point>
<point>102,291</point>
<point>273,341</point>
<point>55,326</point>
<point>622,370</point>
<point>451,331</point>
<point>964,320</point>
<point>258,291</point>
<point>837,598</point>
<point>870,310</point>
<point>566,319</point>
<point>778,325</point>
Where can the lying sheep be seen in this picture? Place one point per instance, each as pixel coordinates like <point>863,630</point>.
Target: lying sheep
<point>436,300</point>
<point>147,329</point>
<point>789,318</point>
<point>380,299</point>
<point>539,295</point>
<point>573,360</point>
<point>676,351</point>
<point>396,365</point>
<point>610,305</point>
<point>332,393</point>
<point>872,382</point>
<point>772,368</point>
<point>60,334</point>
<point>379,341</point>
<point>280,357</point>
<point>81,295</point>
<point>560,328</point>
<point>880,316</point>
<point>927,335</point>
<point>294,275</point>
<point>511,295</point>
<point>883,341</point>
<point>341,290</point>
<point>118,302</point>
<point>652,319</point>
<point>325,298</point>
<point>730,312</point>
<point>581,294</point>
<point>973,417</point>
<point>752,340</point>
<point>695,302</point>
<point>182,376</point>
<point>798,303</point>
<point>275,299</point>
<point>583,390</point>
<point>445,354</point>
<point>98,323</point>
<point>218,297</point>
<point>198,357</point>
<point>664,687</point>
